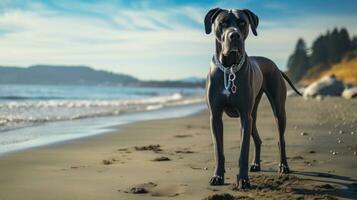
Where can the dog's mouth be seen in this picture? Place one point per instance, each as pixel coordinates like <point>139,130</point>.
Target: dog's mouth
<point>233,46</point>
<point>234,49</point>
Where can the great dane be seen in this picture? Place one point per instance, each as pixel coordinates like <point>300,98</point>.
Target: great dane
<point>235,84</point>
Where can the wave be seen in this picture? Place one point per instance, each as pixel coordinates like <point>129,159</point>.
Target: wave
<point>17,113</point>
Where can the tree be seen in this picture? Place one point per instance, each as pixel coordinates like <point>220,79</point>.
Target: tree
<point>354,44</point>
<point>319,51</point>
<point>298,62</point>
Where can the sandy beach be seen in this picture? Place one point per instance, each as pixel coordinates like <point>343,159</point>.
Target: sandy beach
<point>173,159</point>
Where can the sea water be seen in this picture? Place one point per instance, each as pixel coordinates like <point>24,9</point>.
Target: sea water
<point>33,115</point>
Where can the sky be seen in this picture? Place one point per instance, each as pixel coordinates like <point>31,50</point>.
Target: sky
<point>158,39</point>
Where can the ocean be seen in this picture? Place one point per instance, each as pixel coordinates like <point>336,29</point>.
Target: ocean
<point>35,115</point>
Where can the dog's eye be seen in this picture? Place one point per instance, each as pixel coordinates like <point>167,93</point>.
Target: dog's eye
<point>241,24</point>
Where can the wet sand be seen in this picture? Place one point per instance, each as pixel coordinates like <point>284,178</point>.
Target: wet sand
<point>173,159</point>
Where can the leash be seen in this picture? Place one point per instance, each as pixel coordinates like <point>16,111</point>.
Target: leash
<point>229,73</point>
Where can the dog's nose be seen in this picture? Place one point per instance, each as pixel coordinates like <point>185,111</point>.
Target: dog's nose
<point>233,35</point>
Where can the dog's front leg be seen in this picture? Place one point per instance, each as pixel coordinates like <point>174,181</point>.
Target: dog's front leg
<point>242,177</point>
<point>217,135</point>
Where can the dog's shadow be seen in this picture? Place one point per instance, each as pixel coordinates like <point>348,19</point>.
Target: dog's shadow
<point>345,187</point>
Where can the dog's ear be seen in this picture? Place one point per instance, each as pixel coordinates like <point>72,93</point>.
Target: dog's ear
<point>209,19</point>
<point>253,20</point>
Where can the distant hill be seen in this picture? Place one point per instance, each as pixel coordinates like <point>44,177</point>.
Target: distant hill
<point>78,75</point>
<point>62,75</point>
<point>193,79</point>
<point>345,71</point>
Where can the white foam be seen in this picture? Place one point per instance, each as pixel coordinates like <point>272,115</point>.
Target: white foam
<point>15,114</point>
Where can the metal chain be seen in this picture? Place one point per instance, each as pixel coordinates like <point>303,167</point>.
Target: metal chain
<point>230,72</point>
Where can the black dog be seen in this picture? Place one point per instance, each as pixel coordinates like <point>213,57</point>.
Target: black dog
<point>235,85</point>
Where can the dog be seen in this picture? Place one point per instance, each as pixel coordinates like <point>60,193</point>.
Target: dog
<point>235,84</point>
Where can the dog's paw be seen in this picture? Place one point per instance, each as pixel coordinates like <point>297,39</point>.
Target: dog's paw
<point>217,180</point>
<point>284,169</point>
<point>255,167</point>
<point>242,184</point>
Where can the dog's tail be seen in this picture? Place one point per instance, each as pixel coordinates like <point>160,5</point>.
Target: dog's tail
<point>290,83</point>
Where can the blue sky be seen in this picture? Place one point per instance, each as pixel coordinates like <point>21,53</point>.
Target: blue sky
<point>153,39</point>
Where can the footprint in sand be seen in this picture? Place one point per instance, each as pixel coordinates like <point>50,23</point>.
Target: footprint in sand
<point>162,158</point>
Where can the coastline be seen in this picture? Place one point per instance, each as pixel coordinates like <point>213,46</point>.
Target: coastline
<point>58,132</point>
<point>106,166</point>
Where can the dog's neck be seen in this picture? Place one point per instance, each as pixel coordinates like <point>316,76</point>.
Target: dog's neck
<point>227,60</point>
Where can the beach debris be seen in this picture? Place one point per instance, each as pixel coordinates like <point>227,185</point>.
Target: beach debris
<point>138,190</point>
<point>303,133</point>
<point>341,132</point>
<point>184,151</point>
<point>151,147</point>
<point>355,153</point>
<point>108,162</point>
<point>296,158</point>
<point>308,163</point>
<point>195,168</point>
<point>122,149</point>
<point>162,158</point>
<point>182,136</point>
<point>142,188</point>
<point>312,151</point>
<point>226,196</point>
<point>205,168</point>
<point>77,167</point>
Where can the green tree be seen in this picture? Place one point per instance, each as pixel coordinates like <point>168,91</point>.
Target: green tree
<point>354,44</point>
<point>319,51</point>
<point>332,47</point>
<point>298,62</point>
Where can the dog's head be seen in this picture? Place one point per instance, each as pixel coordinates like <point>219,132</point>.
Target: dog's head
<point>231,28</point>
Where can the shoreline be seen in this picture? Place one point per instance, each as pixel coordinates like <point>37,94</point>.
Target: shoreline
<point>107,166</point>
<point>52,133</point>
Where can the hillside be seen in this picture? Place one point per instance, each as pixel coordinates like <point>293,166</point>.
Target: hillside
<point>327,51</point>
<point>345,71</point>
<point>80,75</point>
<point>63,75</point>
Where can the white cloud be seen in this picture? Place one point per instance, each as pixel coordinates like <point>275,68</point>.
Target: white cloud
<point>153,43</point>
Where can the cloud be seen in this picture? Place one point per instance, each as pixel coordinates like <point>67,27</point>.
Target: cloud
<point>145,41</point>
<point>130,42</point>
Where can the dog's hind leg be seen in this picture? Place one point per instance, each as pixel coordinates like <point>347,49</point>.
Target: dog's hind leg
<point>281,121</point>
<point>277,98</point>
<point>255,167</point>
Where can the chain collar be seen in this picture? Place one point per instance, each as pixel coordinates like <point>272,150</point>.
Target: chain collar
<point>227,70</point>
<point>229,73</point>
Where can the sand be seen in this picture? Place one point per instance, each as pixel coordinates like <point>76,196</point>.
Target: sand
<point>173,159</point>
